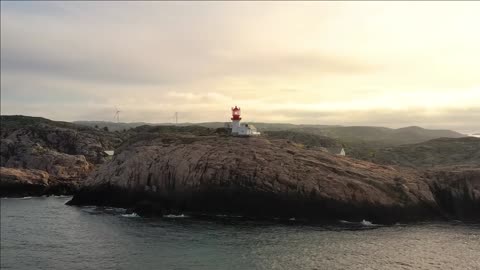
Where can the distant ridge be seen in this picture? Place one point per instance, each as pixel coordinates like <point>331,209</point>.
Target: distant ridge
<point>381,136</point>
<point>384,135</point>
<point>436,152</point>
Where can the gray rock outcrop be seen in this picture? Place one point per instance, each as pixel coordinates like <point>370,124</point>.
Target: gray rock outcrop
<point>257,177</point>
<point>66,152</point>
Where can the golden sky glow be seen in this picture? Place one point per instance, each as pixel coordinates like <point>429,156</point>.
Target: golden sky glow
<point>348,63</point>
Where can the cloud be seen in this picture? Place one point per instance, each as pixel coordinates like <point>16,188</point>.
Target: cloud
<point>353,63</point>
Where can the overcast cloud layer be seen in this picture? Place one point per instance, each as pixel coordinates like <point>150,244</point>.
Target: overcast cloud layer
<point>346,63</point>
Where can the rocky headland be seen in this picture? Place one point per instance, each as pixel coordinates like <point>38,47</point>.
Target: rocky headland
<point>260,177</point>
<point>40,157</point>
<point>159,170</point>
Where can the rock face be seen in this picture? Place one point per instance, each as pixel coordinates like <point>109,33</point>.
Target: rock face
<point>71,140</point>
<point>63,151</point>
<point>258,177</point>
<point>25,182</point>
<point>457,190</point>
<point>34,156</point>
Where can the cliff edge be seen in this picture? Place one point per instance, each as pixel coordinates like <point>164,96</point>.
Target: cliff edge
<point>266,178</point>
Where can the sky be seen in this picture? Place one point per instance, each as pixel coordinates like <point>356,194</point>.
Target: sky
<point>391,64</point>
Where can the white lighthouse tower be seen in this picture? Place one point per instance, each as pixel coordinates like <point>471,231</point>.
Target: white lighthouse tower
<point>239,129</point>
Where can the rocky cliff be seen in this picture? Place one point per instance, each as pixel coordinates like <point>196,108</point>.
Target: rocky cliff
<point>61,150</point>
<point>261,177</point>
<point>457,190</point>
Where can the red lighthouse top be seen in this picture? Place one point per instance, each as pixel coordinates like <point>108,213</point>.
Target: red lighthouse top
<point>236,113</point>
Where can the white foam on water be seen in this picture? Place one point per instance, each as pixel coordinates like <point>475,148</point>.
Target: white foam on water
<point>228,216</point>
<point>114,209</point>
<point>363,222</point>
<point>25,198</point>
<point>61,196</point>
<point>175,216</point>
<point>345,221</point>
<point>292,219</point>
<point>132,215</point>
<point>367,223</point>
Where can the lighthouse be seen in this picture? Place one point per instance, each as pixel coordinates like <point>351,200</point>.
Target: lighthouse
<point>236,120</point>
<point>241,129</point>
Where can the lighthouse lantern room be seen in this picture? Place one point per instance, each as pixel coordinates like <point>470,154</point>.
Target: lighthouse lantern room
<point>239,129</point>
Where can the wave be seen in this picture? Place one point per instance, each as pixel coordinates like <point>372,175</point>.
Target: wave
<point>363,223</point>
<point>367,223</point>
<point>345,222</point>
<point>132,215</point>
<point>228,216</point>
<point>175,216</point>
<point>61,196</point>
<point>113,209</point>
<point>25,198</point>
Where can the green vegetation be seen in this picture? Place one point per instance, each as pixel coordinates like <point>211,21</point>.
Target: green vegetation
<point>307,139</point>
<point>442,151</point>
<point>380,135</point>
<point>194,130</point>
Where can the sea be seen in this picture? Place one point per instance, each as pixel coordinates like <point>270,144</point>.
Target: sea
<point>44,233</point>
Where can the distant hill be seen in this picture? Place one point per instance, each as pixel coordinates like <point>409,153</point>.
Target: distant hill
<point>346,134</point>
<point>12,122</point>
<point>307,139</point>
<point>382,135</point>
<point>111,126</point>
<point>437,152</point>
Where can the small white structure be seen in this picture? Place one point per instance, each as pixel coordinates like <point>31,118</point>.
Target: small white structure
<point>108,154</point>
<point>239,129</point>
<point>339,151</point>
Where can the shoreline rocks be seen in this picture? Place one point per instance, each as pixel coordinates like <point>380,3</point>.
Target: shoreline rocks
<point>259,178</point>
<point>16,182</point>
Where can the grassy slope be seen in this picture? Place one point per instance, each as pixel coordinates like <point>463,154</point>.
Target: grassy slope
<point>443,151</point>
<point>306,139</point>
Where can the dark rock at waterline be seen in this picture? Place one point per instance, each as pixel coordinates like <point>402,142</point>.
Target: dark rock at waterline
<point>260,177</point>
<point>457,190</point>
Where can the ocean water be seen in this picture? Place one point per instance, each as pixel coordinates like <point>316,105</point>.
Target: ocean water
<point>43,233</point>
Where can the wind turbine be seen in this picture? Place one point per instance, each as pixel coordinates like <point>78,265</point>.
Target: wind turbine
<point>117,114</point>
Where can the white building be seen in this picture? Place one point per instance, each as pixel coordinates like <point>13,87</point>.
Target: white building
<point>241,129</point>
<point>108,154</point>
<point>337,150</point>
